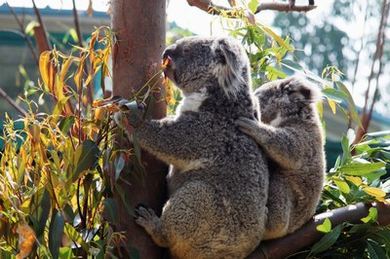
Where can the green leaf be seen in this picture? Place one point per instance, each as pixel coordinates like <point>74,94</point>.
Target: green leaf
<point>372,215</point>
<point>252,5</point>
<point>375,251</point>
<point>66,253</point>
<point>327,241</point>
<point>351,104</point>
<point>359,169</point>
<point>110,209</point>
<point>335,94</point>
<point>85,156</point>
<point>75,236</point>
<point>325,227</point>
<point>56,230</point>
<point>346,151</point>
<point>66,123</point>
<point>342,185</point>
<point>43,212</point>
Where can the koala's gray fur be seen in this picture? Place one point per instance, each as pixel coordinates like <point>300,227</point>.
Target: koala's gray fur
<point>290,133</point>
<point>219,183</point>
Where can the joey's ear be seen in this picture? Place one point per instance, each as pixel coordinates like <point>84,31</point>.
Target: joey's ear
<point>232,67</point>
<point>300,90</point>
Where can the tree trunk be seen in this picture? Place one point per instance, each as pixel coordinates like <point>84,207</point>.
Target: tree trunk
<point>139,26</point>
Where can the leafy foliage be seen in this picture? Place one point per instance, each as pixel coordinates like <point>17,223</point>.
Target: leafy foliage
<point>56,182</point>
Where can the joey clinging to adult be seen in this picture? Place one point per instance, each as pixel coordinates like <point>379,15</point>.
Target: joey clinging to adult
<point>290,133</point>
<point>219,182</point>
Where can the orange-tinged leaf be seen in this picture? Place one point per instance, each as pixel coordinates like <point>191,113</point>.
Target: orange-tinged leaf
<point>78,77</point>
<point>65,68</point>
<point>169,97</point>
<point>375,192</point>
<point>26,240</point>
<point>44,67</point>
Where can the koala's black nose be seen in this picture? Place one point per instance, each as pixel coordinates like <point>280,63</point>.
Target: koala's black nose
<point>169,51</point>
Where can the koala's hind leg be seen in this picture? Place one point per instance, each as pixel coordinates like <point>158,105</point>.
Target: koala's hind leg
<point>279,209</point>
<point>146,218</point>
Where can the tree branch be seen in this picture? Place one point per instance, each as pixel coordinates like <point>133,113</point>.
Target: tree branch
<point>284,7</point>
<point>23,33</point>
<point>12,102</point>
<point>209,7</point>
<point>308,234</point>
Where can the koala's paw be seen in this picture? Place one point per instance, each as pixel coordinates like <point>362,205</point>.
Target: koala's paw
<point>248,126</point>
<point>147,218</point>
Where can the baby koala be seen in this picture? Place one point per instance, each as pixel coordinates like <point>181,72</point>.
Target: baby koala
<point>218,186</point>
<point>290,133</point>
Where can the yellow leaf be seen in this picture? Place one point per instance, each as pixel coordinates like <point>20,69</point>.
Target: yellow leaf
<point>78,77</point>
<point>332,105</point>
<point>26,240</point>
<point>44,68</point>
<point>354,179</point>
<point>375,192</point>
<point>169,98</point>
<point>65,68</point>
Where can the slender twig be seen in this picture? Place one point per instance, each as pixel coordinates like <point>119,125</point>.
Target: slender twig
<point>77,25</point>
<point>12,102</point>
<point>23,33</point>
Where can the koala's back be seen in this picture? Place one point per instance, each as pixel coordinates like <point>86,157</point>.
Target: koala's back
<point>220,206</point>
<point>296,151</point>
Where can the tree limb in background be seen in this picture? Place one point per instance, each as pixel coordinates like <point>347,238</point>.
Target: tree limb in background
<point>308,234</point>
<point>77,25</point>
<point>23,33</point>
<point>377,58</point>
<point>6,97</point>
<point>209,7</point>
<point>39,18</point>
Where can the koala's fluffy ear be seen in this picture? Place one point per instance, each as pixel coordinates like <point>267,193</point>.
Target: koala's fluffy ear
<point>300,90</point>
<point>230,66</point>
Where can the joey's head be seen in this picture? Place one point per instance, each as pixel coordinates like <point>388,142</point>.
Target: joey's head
<point>194,63</point>
<point>291,97</point>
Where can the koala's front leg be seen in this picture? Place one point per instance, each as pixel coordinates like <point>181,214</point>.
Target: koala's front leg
<point>168,140</point>
<point>281,145</point>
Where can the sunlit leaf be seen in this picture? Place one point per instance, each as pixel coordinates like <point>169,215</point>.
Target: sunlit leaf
<point>252,5</point>
<point>372,215</point>
<point>375,192</point>
<point>325,227</point>
<point>342,185</point>
<point>332,105</point>
<point>44,68</point>
<point>327,241</point>
<point>354,179</point>
<point>358,169</point>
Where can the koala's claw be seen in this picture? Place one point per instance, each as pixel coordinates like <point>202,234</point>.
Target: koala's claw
<point>146,218</point>
<point>247,125</point>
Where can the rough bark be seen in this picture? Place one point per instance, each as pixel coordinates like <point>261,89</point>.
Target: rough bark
<point>139,26</point>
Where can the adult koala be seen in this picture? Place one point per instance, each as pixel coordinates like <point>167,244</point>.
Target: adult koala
<point>219,182</point>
